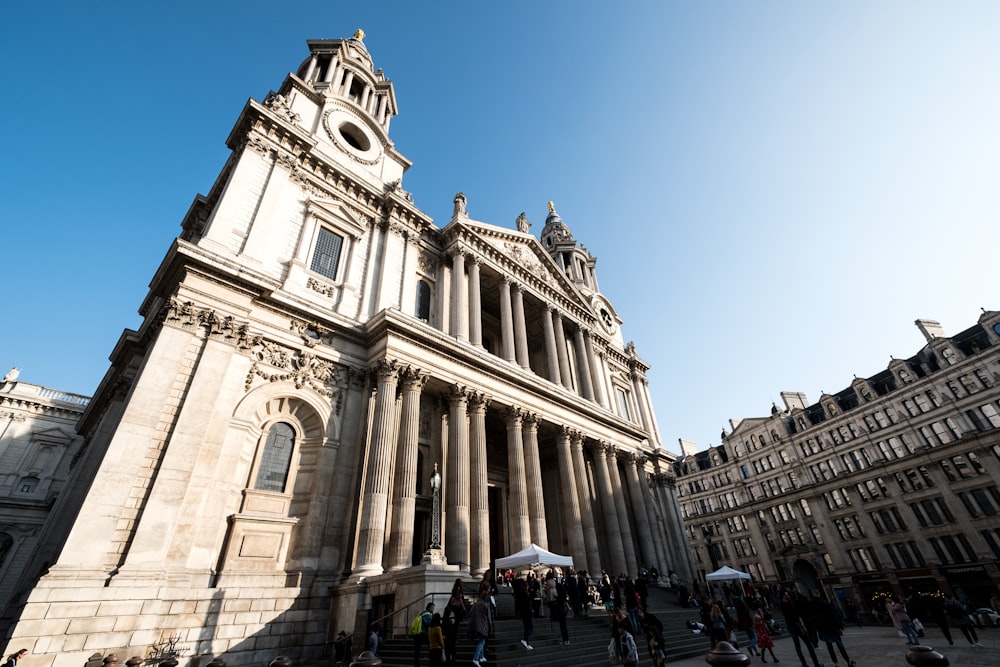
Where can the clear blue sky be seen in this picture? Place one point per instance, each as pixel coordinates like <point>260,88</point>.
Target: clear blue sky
<point>775,191</point>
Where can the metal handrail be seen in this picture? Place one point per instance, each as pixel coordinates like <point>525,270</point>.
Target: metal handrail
<point>405,608</point>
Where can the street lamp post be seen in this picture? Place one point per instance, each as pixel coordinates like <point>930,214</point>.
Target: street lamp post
<point>436,509</point>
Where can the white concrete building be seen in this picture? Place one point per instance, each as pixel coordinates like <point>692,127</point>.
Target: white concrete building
<point>258,458</point>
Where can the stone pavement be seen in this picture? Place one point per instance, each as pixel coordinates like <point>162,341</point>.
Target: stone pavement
<point>879,646</point>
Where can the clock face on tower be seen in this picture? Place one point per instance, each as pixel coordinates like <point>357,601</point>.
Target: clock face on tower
<point>604,316</point>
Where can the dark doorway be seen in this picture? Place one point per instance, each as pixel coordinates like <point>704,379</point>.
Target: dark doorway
<point>498,528</point>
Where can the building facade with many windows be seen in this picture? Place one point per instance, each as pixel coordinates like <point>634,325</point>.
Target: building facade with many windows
<point>889,485</point>
<point>334,407</point>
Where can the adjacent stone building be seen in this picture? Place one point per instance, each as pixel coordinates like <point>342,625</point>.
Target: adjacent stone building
<point>257,465</point>
<point>890,485</point>
<point>38,442</point>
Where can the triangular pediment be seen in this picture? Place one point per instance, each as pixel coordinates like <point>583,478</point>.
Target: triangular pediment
<point>334,212</point>
<point>53,436</point>
<point>526,252</point>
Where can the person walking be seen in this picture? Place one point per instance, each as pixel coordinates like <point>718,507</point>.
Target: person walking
<point>960,615</point>
<point>522,610</point>
<point>435,641</point>
<point>652,629</point>
<point>792,609</point>
<point>764,641</point>
<point>719,625</point>
<point>481,626</point>
<point>744,621</point>
<point>14,658</point>
<point>420,637</point>
<point>828,627</point>
<point>905,622</point>
<point>626,647</point>
<point>558,605</point>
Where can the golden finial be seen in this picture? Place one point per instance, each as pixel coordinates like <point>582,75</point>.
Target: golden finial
<point>359,34</point>
<point>552,207</point>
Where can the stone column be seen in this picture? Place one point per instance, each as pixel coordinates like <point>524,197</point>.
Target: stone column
<point>457,481</point>
<point>593,562</point>
<point>443,294</point>
<point>459,311</point>
<point>571,504</point>
<point>533,476</point>
<point>595,370</point>
<point>583,364</point>
<point>551,356</point>
<point>517,508</point>
<point>311,69</point>
<point>640,510</point>
<point>475,305</point>
<point>506,321</point>
<point>331,70</point>
<point>348,80</point>
<point>404,496</point>
<point>679,545</point>
<point>612,532</point>
<point>520,333</point>
<point>623,522</point>
<point>663,563</point>
<point>640,404</point>
<point>480,509</point>
<point>374,501</point>
<point>561,352</point>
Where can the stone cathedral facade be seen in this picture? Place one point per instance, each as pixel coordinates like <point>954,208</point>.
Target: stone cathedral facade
<point>256,468</point>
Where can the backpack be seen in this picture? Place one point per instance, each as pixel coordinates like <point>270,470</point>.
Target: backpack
<point>417,625</point>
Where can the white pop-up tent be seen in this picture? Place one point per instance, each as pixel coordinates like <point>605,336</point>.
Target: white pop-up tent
<point>726,573</point>
<point>533,555</point>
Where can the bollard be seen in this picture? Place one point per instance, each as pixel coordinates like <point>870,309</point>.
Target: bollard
<point>216,662</point>
<point>281,661</point>
<point>134,661</point>
<point>168,662</point>
<point>726,655</point>
<point>366,659</point>
<point>925,656</point>
<point>110,660</point>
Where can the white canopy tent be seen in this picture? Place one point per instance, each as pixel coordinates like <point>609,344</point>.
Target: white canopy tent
<point>726,573</point>
<point>534,555</point>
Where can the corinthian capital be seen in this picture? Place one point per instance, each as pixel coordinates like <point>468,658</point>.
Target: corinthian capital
<point>385,370</point>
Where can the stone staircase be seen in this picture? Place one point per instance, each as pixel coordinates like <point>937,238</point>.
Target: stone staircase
<point>589,637</point>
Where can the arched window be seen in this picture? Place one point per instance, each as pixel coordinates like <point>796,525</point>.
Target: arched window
<point>423,305</point>
<point>272,472</point>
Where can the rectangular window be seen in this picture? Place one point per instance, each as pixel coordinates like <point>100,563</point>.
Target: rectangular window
<point>326,255</point>
<point>623,403</point>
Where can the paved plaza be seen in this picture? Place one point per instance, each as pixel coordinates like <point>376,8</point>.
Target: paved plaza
<point>879,646</point>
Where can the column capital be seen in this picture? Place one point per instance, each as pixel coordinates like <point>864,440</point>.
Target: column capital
<point>412,379</point>
<point>530,420</point>
<point>478,401</point>
<point>513,415</point>
<point>576,437</point>
<point>457,395</point>
<point>385,370</point>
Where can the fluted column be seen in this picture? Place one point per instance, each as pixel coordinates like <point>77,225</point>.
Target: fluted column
<point>517,508</point>
<point>655,518</point>
<point>640,404</point>
<point>520,332</point>
<point>506,321</point>
<point>623,523</point>
<point>475,305</point>
<point>593,562</point>
<point>374,501</point>
<point>551,356</point>
<point>404,494</point>
<point>595,370</point>
<point>640,510</point>
<point>561,352</point>
<point>533,475</point>
<point>612,533</point>
<point>457,482</point>
<point>583,364</point>
<point>459,311</point>
<point>480,508</point>
<point>348,80</point>
<point>571,505</point>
